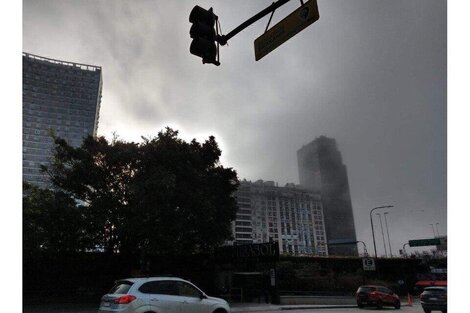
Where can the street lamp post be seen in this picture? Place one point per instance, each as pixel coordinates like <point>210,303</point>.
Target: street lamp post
<point>382,229</point>
<point>388,235</point>
<point>372,224</point>
<point>437,230</point>
<point>404,251</point>
<point>434,233</point>
<point>365,248</point>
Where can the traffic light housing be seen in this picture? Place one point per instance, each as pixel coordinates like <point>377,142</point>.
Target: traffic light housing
<point>204,35</point>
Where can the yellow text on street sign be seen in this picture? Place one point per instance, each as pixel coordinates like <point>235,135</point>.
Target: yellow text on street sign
<point>286,29</point>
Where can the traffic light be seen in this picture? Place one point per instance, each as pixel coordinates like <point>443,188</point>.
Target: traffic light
<point>204,35</point>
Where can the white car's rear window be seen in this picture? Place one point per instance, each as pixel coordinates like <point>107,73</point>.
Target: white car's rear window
<point>121,287</point>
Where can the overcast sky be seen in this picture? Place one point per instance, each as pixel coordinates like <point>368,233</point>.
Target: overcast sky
<point>369,73</point>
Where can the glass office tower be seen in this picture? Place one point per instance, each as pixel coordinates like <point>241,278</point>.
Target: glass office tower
<point>321,169</point>
<point>60,97</point>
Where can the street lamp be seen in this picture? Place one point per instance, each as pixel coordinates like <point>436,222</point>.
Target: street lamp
<point>365,248</point>
<point>404,251</point>
<point>437,230</point>
<point>383,237</point>
<point>434,233</point>
<point>372,224</point>
<point>388,235</point>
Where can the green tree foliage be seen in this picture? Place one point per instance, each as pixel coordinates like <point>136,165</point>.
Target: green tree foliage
<point>52,221</point>
<point>162,196</point>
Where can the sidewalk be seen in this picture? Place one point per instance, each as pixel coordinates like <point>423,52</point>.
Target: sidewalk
<point>61,308</point>
<point>252,307</point>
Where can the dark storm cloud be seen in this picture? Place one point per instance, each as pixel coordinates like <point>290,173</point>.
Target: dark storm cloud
<point>371,74</point>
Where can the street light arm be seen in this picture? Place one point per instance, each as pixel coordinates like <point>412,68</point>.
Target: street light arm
<point>404,251</point>
<point>380,207</point>
<point>365,247</point>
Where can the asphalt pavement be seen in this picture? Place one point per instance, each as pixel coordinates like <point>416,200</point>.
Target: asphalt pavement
<point>236,308</point>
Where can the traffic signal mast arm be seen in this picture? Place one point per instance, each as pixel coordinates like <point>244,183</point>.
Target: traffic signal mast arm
<point>224,38</point>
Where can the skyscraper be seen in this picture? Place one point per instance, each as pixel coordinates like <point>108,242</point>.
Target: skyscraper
<point>58,96</point>
<point>321,169</point>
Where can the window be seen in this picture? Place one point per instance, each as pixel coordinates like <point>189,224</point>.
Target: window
<point>186,290</point>
<point>242,229</point>
<point>385,290</point>
<point>163,287</point>
<point>121,287</point>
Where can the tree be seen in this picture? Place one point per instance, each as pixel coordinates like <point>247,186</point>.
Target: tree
<point>97,174</point>
<point>52,221</point>
<point>163,196</point>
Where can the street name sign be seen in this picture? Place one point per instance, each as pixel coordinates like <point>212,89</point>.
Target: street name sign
<point>286,29</point>
<point>368,264</point>
<point>424,242</point>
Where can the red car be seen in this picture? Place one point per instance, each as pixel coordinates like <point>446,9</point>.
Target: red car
<point>376,296</point>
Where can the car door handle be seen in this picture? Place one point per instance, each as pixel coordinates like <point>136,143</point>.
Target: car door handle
<point>154,299</point>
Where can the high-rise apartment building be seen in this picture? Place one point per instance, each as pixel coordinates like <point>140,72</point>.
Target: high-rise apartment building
<point>291,216</point>
<point>58,96</point>
<point>321,169</point>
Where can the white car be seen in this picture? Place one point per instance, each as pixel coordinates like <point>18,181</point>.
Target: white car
<point>159,295</point>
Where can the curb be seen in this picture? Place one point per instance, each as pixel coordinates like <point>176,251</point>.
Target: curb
<point>345,306</point>
<point>300,307</point>
<point>287,308</point>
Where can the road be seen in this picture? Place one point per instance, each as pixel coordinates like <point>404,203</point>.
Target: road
<point>89,309</point>
<point>414,309</point>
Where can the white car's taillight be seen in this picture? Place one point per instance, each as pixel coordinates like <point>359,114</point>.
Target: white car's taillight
<point>124,299</point>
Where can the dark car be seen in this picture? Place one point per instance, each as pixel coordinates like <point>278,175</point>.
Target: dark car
<point>378,296</point>
<point>421,284</point>
<point>434,299</point>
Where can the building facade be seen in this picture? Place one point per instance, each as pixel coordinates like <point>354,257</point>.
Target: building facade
<point>291,216</point>
<point>59,97</point>
<point>321,170</point>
